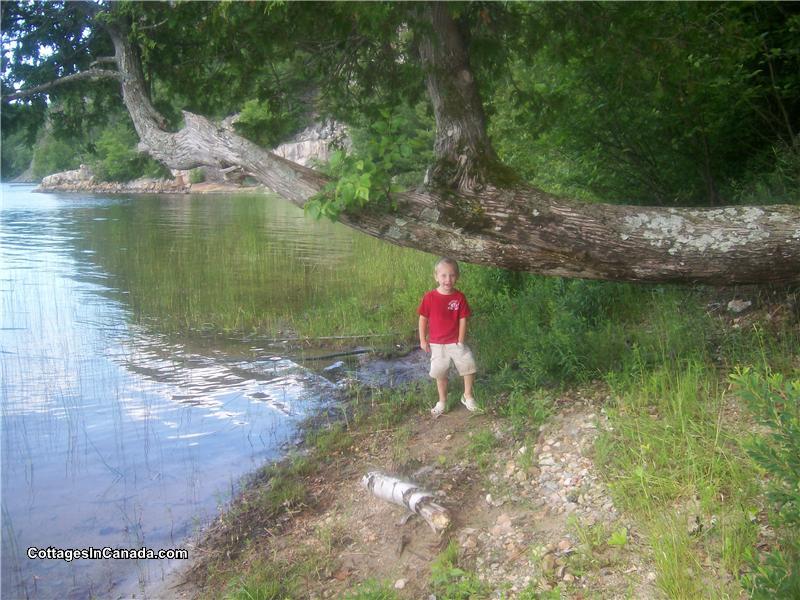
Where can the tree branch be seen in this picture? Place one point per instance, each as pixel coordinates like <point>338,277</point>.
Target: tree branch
<point>103,59</point>
<point>512,226</point>
<point>90,75</point>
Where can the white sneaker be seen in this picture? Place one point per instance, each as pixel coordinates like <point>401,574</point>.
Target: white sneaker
<point>470,404</point>
<point>438,410</point>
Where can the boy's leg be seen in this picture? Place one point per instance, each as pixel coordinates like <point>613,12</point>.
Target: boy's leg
<point>441,387</point>
<point>468,381</point>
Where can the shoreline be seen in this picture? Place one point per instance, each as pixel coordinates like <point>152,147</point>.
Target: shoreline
<point>148,187</point>
<point>374,371</point>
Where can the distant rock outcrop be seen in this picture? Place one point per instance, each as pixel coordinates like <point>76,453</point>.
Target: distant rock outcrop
<point>83,180</point>
<point>315,142</point>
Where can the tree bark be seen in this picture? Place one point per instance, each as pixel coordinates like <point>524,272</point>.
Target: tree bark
<point>474,210</point>
<point>464,156</point>
<point>407,494</point>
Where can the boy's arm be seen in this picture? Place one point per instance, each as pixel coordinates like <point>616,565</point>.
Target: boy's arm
<point>423,334</point>
<point>462,329</point>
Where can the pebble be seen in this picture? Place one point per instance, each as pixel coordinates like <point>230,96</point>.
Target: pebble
<point>563,483</point>
<point>399,584</point>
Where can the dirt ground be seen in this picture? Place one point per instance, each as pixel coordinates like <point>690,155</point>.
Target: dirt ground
<point>525,518</point>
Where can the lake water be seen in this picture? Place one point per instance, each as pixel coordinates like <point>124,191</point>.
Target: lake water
<point>119,428</point>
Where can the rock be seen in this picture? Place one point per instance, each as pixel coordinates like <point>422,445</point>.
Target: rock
<point>564,545</point>
<point>569,577</point>
<point>651,576</point>
<point>315,142</point>
<point>548,563</point>
<point>399,584</point>
<point>738,306</point>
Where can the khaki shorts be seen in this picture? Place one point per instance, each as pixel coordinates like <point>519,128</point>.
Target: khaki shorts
<point>460,354</point>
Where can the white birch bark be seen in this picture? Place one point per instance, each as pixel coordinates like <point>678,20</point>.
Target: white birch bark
<point>409,495</point>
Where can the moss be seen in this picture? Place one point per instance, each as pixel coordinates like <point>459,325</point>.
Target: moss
<point>463,212</point>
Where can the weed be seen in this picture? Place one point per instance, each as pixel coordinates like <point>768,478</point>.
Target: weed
<point>400,444</point>
<point>678,570</point>
<point>265,581</point>
<point>531,593</point>
<point>282,493</point>
<point>328,442</point>
<point>618,538</point>
<point>451,582</point>
<point>527,410</point>
<point>480,447</point>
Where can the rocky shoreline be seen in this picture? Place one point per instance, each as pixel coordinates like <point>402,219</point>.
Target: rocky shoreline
<point>83,180</point>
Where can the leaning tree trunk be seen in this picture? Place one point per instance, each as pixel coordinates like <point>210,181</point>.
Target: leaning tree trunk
<point>475,210</point>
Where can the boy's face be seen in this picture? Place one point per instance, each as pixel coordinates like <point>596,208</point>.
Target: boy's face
<point>446,277</point>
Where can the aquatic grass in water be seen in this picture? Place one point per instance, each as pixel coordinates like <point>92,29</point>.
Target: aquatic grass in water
<point>254,264</point>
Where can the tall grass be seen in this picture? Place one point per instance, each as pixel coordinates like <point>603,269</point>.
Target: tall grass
<point>253,264</point>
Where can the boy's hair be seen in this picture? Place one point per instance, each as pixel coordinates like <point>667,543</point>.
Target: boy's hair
<point>446,261</point>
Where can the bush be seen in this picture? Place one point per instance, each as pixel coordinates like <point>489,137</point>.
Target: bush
<point>197,175</point>
<point>265,123</point>
<point>16,154</point>
<point>53,155</point>
<point>775,402</point>
<point>117,156</point>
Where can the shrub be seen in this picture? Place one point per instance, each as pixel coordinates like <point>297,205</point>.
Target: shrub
<point>117,158</point>
<point>197,176</point>
<point>53,155</point>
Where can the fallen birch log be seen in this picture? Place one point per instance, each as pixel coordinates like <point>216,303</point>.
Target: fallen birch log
<point>408,494</point>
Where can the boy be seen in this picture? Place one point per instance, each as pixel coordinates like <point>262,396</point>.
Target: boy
<point>443,314</point>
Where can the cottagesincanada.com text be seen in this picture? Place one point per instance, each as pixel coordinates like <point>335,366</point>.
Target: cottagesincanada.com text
<point>105,553</point>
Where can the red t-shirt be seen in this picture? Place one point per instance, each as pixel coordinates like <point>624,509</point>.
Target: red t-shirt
<point>443,313</point>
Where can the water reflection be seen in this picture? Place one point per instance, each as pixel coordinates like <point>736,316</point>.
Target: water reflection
<point>114,434</point>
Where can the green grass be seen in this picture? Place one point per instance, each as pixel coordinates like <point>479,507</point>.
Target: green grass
<point>449,580</point>
<point>372,590</point>
<point>672,451</point>
<point>265,582</point>
<point>479,449</point>
<point>670,441</point>
<point>329,441</point>
<point>678,570</point>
